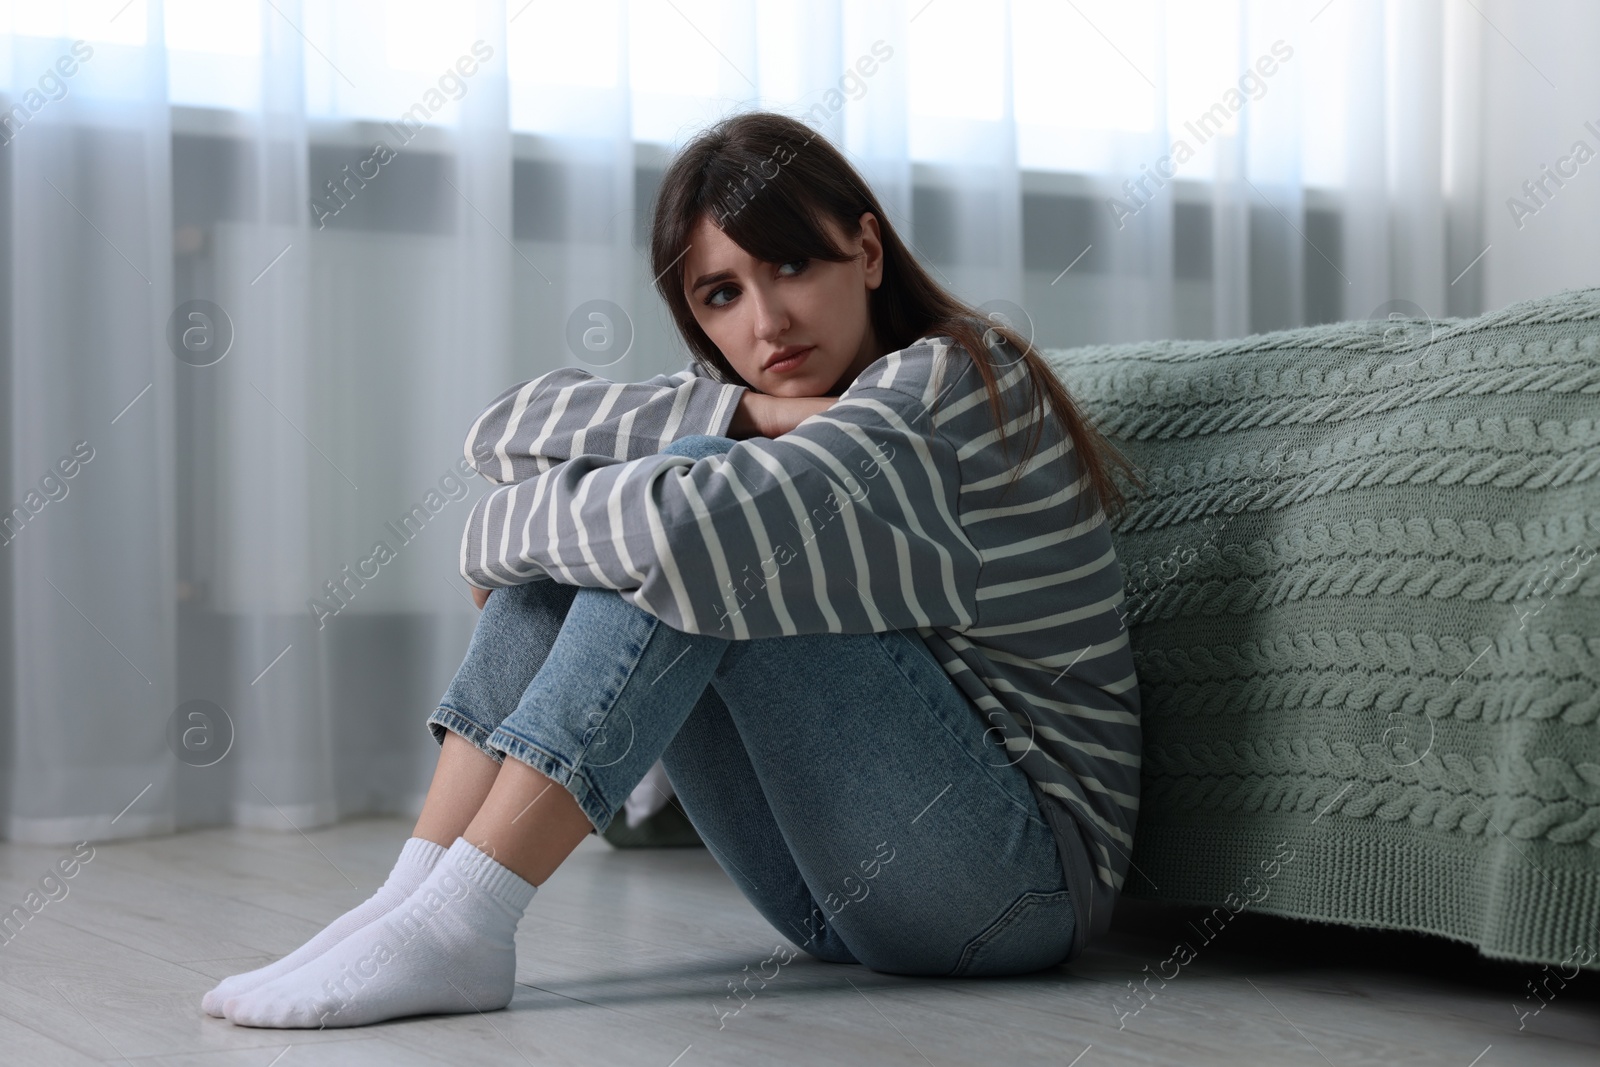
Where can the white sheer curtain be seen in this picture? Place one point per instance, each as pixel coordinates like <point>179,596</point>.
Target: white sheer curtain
<point>265,336</point>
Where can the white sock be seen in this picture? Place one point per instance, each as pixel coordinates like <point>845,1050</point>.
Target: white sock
<point>417,858</point>
<point>448,947</point>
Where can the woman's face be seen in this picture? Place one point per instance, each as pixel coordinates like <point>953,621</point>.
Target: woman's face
<point>789,329</point>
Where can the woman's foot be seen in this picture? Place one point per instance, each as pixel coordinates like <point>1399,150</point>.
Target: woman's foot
<point>417,858</point>
<point>448,947</point>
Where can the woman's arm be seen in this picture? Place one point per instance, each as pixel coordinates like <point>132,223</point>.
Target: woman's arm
<point>757,415</point>
<point>845,524</point>
<point>760,415</point>
<point>536,424</point>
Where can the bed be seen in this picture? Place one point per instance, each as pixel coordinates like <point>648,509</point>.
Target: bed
<point>1362,596</point>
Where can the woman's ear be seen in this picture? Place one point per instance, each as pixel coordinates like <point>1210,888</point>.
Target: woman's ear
<point>871,250</point>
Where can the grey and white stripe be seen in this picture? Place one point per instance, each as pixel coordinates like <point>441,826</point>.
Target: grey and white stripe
<point>887,511</point>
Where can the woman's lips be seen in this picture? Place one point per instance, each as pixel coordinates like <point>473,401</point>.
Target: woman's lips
<point>783,366</point>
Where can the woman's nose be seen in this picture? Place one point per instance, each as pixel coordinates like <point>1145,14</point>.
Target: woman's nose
<point>771,315</point>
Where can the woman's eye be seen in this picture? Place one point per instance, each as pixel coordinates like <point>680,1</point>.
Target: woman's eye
<point>722,296</point>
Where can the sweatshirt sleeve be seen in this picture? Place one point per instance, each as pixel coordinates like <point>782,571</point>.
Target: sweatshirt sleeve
<point>531,427</point>
<point>847,524</point>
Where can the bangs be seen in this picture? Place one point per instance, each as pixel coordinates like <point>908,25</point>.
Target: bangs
<point>759,204</point>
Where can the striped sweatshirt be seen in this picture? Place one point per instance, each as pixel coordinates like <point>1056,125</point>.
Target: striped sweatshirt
<point>887,511</point>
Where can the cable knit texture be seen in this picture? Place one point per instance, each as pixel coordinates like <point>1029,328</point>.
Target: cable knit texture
<point>1364,603</point>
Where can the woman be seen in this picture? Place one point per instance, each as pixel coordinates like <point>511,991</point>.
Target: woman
<point>876,645</point>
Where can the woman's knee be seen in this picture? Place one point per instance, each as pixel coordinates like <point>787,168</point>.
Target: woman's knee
<point>699,445</point>
<point>542,594</point>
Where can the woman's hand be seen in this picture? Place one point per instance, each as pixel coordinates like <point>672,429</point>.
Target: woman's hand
<point>761,415</point>
<point>480,597</point>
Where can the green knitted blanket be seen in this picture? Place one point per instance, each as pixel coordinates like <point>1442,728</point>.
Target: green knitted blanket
<point>1363,606</point>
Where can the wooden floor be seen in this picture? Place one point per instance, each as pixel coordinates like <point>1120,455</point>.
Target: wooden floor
<point>625,958</point>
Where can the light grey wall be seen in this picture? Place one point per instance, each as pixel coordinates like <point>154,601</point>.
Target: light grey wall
<point>1558,247</point>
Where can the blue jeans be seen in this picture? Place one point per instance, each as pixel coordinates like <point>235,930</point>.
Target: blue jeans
<point>851,791</point>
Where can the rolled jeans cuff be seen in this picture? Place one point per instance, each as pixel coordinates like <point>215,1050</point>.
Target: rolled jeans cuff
<point>448,719</point>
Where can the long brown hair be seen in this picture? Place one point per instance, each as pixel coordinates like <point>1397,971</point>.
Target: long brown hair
<point>766,180</point>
